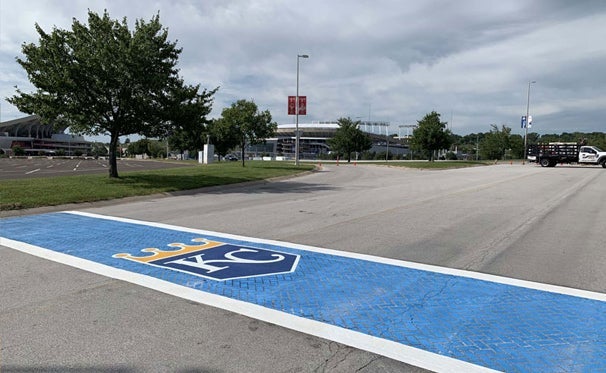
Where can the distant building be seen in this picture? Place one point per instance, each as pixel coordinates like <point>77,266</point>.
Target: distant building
<point>313,140</point>
<point>36,138</point>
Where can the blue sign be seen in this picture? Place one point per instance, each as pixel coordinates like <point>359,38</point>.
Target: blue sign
<point>523,121</point>
<point>217,260</point>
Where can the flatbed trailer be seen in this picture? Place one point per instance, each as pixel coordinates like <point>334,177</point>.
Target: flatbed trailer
<point>550,154</point>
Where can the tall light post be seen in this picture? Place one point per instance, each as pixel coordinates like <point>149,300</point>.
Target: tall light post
<point>297,112</point>
<point>527,122</point>
<point>408,127</point>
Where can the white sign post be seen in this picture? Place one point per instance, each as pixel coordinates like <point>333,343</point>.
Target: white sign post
<point>209,153</point>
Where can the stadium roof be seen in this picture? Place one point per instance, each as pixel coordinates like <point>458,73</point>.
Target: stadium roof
<point>29,126</point>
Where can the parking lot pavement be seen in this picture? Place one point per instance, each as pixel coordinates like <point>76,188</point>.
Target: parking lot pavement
<point>20,168</point>
<point>438,318</point>
<point>529,223</point>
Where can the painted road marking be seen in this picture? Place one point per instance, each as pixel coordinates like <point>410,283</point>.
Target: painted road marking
<point>436,318</point>
<point>32,171</point>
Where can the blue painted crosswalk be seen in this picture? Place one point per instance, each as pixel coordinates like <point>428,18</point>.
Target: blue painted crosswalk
<point>428,316</point>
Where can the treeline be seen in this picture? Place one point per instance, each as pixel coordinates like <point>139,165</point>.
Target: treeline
<point>500,143</point>
<point>594,138</point>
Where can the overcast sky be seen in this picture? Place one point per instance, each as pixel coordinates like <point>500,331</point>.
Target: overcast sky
<point>395,61</point>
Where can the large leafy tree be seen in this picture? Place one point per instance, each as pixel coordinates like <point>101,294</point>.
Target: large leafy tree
<point>191,122</point>
<point>499,143</point>
<point>431,135</point>
<point>495,143</point>
<point>102,78</point>
<point>349,138</point>
<point>243,121</point>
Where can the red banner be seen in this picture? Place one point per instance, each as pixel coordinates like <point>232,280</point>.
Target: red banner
<point>302,105</point>
<point>292,105</point>
<point>292,109</point>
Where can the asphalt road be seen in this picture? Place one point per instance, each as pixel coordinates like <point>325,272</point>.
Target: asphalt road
<point>519,221</point>
<point>21,168</point>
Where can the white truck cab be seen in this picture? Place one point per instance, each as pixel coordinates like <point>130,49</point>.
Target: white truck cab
<point>591,154</point>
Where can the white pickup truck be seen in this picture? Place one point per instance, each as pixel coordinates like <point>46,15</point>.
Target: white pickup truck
<point>550,154</point>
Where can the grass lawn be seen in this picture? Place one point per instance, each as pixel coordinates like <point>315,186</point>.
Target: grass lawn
<point>37,192</point>
<point>50,191</point>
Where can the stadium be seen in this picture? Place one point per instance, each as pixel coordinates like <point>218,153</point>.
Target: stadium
<point>314,136</point>
<point>36,138</point>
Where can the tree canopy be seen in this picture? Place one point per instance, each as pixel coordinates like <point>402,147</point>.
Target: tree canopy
<point>223,136</point>
<point>349,138</point>
<point>593,138</point>
<point>191,124</point>
<point>152,148</point>
<point>431,135</point>
<point>102,78</point>
<point>500,144</point>
<point>245,123</point>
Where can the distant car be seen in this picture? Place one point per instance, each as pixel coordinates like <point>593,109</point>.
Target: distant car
<point>230,157</point>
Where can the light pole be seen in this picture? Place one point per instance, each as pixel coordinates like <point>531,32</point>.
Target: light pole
<point>386,142</point>
<point>527,123</point>
<point>297,112</point>
<point>408,127</point>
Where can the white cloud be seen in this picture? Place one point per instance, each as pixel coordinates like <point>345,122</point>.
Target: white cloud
<point>399,59</point>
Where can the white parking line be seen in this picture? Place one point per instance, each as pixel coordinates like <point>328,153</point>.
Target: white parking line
<point>32,171</point>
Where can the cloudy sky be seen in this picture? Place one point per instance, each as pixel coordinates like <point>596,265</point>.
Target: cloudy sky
<point>394,61</point>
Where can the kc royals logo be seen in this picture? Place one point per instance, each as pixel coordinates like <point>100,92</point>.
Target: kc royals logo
<point>217,260</point>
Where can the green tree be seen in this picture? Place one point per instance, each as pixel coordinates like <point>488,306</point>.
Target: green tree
<point>138,147</point>
<point>349,138</point>
<point>101,78</point>
<point>223,136</point>
<point>495,143</point>
<point>533,138</point>
<point>179,141</point>
<point>99,150</point>
<point>156,149</point>
<point>190,126</point>
<point>594,138</point>
<point>516,144</point>
<point>246,123</point>
<point>470,143</point>
<point>151,148</point>
<point>431,135</point>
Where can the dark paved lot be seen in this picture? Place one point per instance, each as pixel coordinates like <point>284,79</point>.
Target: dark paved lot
<point>20,168</point>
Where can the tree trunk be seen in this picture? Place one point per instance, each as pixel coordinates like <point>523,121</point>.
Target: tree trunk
<point>113,148</point>
<point>242,145</point>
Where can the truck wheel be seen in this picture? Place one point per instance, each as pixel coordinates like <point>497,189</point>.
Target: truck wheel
<point>545,162</point>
